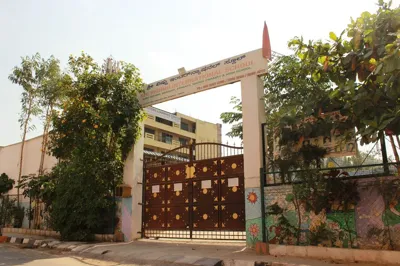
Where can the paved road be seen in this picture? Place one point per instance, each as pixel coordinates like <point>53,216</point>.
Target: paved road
<point>13,256</point>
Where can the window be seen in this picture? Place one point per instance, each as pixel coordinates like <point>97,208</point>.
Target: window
<point>148,149</point>
<point>166,138</point>
<point>164,121</point>
<point>149,130</point>
<point>183,141</point>
<point>184,126</point>
<point>194,128</point>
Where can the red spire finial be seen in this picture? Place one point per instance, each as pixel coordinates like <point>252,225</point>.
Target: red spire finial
<point>266,46</point>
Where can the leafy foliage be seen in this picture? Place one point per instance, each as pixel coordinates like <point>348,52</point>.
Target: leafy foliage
<point>7,204</point>
<point>92,137</point>
<point>6,183</point>
<point>81,197</point>
<point>390,192</point>
<point>101,110</point>
<point>18,215</point>
<point>356,72</point>
<point>287,231</point>
<point>363,65</point>
<point>39,188</point>
<point>322,234</point>
<point>38,78</point>
<point>234,118</point>
<point>7,210</point>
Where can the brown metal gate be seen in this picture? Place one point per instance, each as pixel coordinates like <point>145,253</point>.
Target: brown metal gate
<point>198,198</point>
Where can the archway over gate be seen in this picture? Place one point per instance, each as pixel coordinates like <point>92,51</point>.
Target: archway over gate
<point>244,68</point>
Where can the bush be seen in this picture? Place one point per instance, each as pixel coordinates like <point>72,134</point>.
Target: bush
<point>81,199</point>
<point>7,211</point>
<point>18,215</point>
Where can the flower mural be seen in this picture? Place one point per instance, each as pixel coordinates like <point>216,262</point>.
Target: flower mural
<point>252,197</point>
<point>254,230</point>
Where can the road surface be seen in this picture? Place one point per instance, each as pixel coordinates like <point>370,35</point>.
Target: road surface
<point>11,255</point>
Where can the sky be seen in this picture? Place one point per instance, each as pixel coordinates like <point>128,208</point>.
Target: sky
<point>158,37</point>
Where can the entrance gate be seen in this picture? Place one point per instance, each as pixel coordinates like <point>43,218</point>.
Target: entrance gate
<point>195,191</point>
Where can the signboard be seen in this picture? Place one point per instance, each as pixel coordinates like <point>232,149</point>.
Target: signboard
<point>206,184</point>
<point>335,144</point>
<point>178,187</point>
<point>155,189</point>
<point>207,77</point>
<point>233,182</point>
<point>163,114</point>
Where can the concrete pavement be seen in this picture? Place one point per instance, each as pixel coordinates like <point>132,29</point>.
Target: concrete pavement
<point>176,252</point>
<point>196,253</point>
<point>11,255</point>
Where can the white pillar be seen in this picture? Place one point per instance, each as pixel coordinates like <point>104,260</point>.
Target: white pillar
<point>253,110</point>
<point>133,174</point>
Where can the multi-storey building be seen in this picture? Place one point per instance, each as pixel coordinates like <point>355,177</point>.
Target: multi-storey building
<point>166,131</point>
<point>163,132</point>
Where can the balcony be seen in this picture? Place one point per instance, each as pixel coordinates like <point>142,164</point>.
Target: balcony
<point>149,135</point>
<point>164,139</point>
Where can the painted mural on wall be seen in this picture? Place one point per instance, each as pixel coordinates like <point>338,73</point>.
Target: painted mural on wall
<point>350,228</point>
<point>330,227</point>
<point>253,216</point>
<point>275,232</point>
<point>126,221</point>
<point>372,214</point>
<point>124,214</point>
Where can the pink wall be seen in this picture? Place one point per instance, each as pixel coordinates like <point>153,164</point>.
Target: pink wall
<point>10,155</point>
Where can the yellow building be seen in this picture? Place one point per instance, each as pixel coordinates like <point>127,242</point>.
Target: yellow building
<point>166,131</point>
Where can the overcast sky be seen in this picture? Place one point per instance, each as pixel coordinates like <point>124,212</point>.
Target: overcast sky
<point>158,37</point>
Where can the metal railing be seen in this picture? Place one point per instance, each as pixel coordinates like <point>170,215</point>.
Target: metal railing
<point>276,178</point>
<point>195,151</point>
<point>272,174</point>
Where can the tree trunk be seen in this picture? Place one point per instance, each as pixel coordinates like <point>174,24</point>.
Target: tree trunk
<point>2,222</point>
<point>396,155</point>
<point>44,139</point>
<point>297,206</point>
<point>28,114</point>
<point>398,144</point>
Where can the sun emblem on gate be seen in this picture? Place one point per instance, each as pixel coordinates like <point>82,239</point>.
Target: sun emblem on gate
<point>252,197</point>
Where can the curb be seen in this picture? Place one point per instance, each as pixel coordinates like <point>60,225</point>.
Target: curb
<point>27,242</point>
<point>78,247</point>
<point>232,262</point>
<point>53,244</point>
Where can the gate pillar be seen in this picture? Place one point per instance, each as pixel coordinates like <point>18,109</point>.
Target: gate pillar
<point>131,208</point>
<point>253,109</point>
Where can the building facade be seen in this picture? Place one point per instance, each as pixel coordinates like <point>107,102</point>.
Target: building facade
<point>164,131</point>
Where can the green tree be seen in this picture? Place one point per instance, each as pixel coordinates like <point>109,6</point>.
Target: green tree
<point>234,118</point>
<point>363,65</point>
<point>6,184</point>
<point>49,98</point>
<point>92,137</point>
<point>291,95</point>
<point>40,189</point>
<point>7,205</point>
<point>34,75</point>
